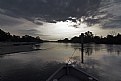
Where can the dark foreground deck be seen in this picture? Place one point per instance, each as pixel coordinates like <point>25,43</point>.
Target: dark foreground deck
<point>69,73</point>
<point>69,78</point>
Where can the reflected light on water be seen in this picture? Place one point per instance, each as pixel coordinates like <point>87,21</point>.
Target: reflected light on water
<point>101,61</point>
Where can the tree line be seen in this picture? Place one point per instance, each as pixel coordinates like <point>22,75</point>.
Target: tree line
<point>7,37</point>
<point>90,38</point>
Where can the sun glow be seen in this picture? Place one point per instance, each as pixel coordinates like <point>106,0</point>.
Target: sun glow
<point>64,27</point>
<point>61,29</point>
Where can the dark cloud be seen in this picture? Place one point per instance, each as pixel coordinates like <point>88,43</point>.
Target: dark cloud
<point>9,21</point>
<point>49,10</point>
<point>115,23</point>
<point>112,11</point>
<point>53,11</point>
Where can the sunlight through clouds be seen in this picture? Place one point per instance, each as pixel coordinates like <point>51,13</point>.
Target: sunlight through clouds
<point>62,29</point>
<point>57,19</point>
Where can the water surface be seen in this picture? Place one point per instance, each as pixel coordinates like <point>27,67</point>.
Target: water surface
<point>101,61</point>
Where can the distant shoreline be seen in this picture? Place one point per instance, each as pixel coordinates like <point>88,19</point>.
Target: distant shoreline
<point>13,47</point>
<point>19,51</point>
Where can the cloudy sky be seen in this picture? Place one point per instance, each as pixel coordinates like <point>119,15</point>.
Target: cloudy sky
<point>57,19</point>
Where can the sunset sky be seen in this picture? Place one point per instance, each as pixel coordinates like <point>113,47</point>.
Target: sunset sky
<point>57,19</point>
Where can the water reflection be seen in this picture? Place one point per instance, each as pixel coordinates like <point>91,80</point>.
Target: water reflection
<point>88,51</point>
<point>111,49</point>
<point>101,61</point>
<point>37,46</point>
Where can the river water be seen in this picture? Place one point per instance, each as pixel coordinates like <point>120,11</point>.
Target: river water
<point>100,60</point>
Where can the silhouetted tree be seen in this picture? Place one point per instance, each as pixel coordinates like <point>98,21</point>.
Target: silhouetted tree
<point>90,38</point>
<point>76,39</point>
<point>97,39</point>
<point>4,37</point>
<point>118,39</point>
<point>15,38</point>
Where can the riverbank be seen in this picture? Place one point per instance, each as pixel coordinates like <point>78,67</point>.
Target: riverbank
<point>12,47</point>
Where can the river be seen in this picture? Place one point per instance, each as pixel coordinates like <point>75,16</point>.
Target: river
<point>100,60</point>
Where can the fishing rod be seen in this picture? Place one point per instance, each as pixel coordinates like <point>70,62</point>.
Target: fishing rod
<point>82,50</point>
